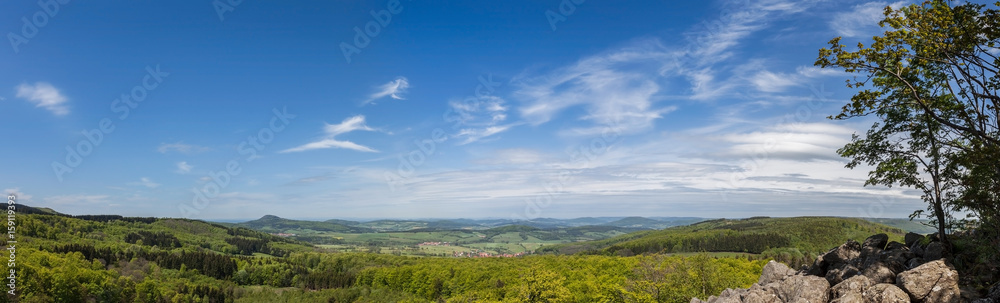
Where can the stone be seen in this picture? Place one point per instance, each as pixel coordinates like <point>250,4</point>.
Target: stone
<point>934,251</point>
<point>885,293</point>
<point>804,289</point>
<point>855,284</point>
<point>913,263</point>
<point>879,273</point>
<point>917,250</point>
<point>774,272</point>
<point>843,253</point>
<point>731,296</point>
<point>895,246</point>
<point>877,241</point>
<point>761,297</point>
<point>850,297</point>
<point>896,259</point>
<point>933,281</point>
<point>911,238</point>
<point>994,293</point>
<point>839,274</point>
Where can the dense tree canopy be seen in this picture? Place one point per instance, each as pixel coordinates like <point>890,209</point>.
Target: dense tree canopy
<point>931,79</point>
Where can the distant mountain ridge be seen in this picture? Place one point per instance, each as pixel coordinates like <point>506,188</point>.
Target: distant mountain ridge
<point>275,224</point>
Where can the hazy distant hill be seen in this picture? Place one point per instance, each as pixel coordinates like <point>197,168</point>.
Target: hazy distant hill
<point>751,235</point>
<point>638,222</point>
<point>274,224</point>
<point>917,225</point>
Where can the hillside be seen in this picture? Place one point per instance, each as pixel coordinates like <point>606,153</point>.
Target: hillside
<point>757,235</point>
<point>636,222</point>
<point>110,258</point>
<point>274,224</point>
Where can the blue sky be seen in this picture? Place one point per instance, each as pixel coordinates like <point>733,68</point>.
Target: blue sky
<point>510,109</point>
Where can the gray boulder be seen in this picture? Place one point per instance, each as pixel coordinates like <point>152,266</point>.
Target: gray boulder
<point>932,282</point>
<point>839,274</point>
<point>934,251</point>
<point>911,238</point>
<point>895,246</point>
<point>885,293</point>
<point>843,253</point>
<point>917,250</point>
<point>879,273</point>
<point>877,241</point>
<point>804,289</point>
<point>994,293</point>
<point>855,284</point>
<point>761,297</point>
<point>774,272</point>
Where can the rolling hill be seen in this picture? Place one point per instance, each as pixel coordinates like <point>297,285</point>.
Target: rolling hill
<point>806,235</point>
<point>274,224</point>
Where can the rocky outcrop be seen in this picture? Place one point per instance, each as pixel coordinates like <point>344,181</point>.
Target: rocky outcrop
<point>931,282</point>
<point>874,271</point>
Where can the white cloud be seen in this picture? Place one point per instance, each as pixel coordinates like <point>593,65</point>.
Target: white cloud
<point>862,20</point>
<point>482,117</point>
<point>476,134</point>
<point>183,167</point>
<point>21,196</point>
<point>180,147</point>
<point>394,89</point>
<point>616,89</point>
<point>44,95</point>
<point>795,142</point>
<point>332,130</point>
<point>769,82</point>
<point>514,156</point>
<point>145,182</point>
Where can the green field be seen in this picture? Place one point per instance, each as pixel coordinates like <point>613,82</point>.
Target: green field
<point>495,241</point>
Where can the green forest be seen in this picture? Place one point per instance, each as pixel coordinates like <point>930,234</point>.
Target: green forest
<point>121,259</point>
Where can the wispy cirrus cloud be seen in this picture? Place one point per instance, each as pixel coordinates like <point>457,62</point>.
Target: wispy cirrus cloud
<point>183,167</point>
<point>144,181</point>
<point>482,117</point>
<point>395,89</point>
<point>862,20</point>
<point>332,130</point>
<point>44,95</point>
<point>616,89</point>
